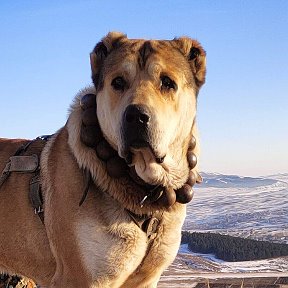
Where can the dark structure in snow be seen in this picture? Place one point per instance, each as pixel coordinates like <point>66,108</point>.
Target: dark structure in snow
<point>233,249</point>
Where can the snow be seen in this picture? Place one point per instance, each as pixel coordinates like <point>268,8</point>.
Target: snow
<point>247,207</point>
<point>257,212</point>
<point>255,208</point>
<point>273,265</point>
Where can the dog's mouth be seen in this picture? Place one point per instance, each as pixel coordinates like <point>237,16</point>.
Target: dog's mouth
<point>145,149</point>
<point>141,156</point>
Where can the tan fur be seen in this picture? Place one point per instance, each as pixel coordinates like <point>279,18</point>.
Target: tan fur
<point>97,244</point>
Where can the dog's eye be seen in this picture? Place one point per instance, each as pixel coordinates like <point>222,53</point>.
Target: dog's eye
<point>118,84</point>
<point>167,83</point>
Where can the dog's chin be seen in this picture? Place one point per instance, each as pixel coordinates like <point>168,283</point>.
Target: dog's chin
<point>152,172</point>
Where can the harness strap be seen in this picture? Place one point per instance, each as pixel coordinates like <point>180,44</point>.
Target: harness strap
<point>12,163</point>
<point>88,182</point>
<point>36,197</point>
<point>148,224</point>
<point>24,164</point>
<point>5,174</point>
<point>23,148</point>
<point>28,164</point>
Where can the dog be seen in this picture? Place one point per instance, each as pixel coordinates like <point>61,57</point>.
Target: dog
<point>146,107</point>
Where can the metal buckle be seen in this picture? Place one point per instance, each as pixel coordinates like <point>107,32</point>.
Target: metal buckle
<point>38,210</point>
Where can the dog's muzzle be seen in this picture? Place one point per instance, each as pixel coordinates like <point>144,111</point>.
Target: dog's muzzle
<point>136,120</point>
<point>135,131</point>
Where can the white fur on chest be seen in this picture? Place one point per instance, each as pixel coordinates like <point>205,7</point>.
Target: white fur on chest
<point>110,254</point>
<point>115,255</point>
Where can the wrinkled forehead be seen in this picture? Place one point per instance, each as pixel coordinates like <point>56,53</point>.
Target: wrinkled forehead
<point>154,57</point>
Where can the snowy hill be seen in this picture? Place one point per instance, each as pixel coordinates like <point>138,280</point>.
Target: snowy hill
<point>225,181</point>
<point>241,206</point>
<point>248,207</point>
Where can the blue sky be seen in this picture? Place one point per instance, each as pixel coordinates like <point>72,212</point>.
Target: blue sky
<point>242,109</point>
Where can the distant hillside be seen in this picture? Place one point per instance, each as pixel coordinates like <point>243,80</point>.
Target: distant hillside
<point>232,249</point>
<point>229,181</point>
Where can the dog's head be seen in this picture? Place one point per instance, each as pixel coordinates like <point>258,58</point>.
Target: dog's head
<point>146,102</point>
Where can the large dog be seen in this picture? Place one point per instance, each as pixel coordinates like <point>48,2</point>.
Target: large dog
<point>146,107</point>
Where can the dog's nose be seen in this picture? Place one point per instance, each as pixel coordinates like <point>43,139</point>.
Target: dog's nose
<point>136,115</point>
<point>135,126</point>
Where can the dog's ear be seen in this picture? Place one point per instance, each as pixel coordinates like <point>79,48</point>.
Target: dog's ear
<point>101,51</point>
<point>195,55</point>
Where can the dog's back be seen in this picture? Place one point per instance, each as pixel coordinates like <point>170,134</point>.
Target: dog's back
<point>20,227</point>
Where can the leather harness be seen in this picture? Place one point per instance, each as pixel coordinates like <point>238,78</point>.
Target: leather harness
<point>30,164</point>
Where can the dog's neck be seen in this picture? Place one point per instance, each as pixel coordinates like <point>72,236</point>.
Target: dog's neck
<point>117,168</point>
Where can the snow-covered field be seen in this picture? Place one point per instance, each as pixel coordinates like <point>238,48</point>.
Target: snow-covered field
<point>239,206</point>
<point>208,263</point>
<point>190,268</point>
